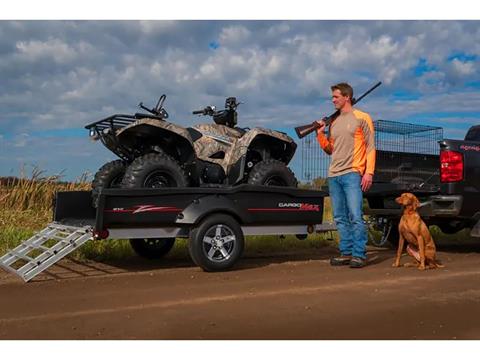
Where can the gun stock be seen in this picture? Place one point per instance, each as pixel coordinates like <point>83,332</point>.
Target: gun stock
<point>304,130</point>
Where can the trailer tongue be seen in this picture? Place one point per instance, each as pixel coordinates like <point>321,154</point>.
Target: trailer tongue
<point>215,221</point>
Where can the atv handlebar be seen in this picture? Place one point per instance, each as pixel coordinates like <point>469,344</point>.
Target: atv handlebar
<point>152,111</point>
<point>209,110</point>
<point>157,110</point>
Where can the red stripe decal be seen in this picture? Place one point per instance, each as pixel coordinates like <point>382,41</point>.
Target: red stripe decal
<point>275,209</point>
<point>136,211</point>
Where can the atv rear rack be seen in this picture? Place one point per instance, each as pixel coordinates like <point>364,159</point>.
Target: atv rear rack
<point>105,130</point>
<point>118,121</point>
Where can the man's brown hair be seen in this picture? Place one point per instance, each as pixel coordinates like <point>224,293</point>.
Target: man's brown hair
<point>345,89</point>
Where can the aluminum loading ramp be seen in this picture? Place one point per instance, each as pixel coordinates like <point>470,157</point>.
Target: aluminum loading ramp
<point>44,249</point>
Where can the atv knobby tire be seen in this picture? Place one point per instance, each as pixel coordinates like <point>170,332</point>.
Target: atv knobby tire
<point>272,173</point>
<point>109,175</point>
<point>152,248</point>
<point>154,171</point>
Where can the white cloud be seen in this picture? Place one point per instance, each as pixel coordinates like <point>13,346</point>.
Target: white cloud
<point>463,68</point>
<point>21,140</point>
<point>279,29</point>
<point>232,35</point>
<point>157,27</point>
<point>34,50</point>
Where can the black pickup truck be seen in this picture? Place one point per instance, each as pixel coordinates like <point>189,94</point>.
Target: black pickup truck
<point>447,184</point>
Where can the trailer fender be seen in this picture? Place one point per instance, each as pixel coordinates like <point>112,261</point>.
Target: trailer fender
<point>200,208</point>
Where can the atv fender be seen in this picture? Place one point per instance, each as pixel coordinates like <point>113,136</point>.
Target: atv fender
<point>282,146</point>
<point>164,133</point>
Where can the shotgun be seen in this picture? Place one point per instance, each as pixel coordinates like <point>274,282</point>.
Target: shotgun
<point>304,130</point>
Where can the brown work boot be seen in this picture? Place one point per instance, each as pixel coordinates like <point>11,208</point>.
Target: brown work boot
<point>340,260</point>
<point>357,262</point>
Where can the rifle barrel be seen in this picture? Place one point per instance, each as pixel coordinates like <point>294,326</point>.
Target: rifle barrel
<point>368,92</point>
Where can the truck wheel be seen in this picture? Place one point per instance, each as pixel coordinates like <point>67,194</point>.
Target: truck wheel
<point>109,175</point>
<point>152,248</point>
<point>382,232</point>
<point>272,173</point>
<point>154,171</point>
<point>216,243</point>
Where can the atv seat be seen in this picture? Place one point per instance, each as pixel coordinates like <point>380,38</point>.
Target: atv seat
<point>241,131</point>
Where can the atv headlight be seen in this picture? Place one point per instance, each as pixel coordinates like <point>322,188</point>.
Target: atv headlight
<point>92,132</point>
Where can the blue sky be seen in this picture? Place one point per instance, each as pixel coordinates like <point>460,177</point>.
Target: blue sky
<point>57,76</point>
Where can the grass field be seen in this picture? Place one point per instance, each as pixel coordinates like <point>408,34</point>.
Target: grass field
<point>25,207</point>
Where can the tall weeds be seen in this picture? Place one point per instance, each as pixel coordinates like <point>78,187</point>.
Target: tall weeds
<point>37,191</point>
<point>26,204</point>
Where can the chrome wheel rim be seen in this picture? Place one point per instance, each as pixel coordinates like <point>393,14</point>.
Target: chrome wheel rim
<point>218,243</point>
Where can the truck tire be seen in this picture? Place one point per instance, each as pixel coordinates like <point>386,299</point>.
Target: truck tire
<point>272,173</point>
<point>154,171</point>
<point>152,248</point>
<point>216,243</point>
<point>108,176</point>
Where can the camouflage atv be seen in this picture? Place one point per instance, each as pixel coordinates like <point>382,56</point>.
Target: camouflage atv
<point>155,153</point>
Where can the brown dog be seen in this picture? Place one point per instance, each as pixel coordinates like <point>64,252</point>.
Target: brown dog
<point>412,229</point>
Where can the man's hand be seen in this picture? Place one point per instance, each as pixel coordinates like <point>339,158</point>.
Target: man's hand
<point>321,124</point>
<point>367,180</point>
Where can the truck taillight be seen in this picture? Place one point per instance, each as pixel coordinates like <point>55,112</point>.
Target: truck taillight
<point>451,166</point>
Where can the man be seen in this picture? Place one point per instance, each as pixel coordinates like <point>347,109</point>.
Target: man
<point>351,143</point>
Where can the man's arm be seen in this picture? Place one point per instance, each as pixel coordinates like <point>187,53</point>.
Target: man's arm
<point>369,138</point>
<point>325,143</point>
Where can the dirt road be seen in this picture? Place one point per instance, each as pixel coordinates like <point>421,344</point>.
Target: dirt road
<point>280,296</point>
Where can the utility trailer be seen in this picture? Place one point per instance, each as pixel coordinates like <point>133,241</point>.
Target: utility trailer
<point>214,220</point>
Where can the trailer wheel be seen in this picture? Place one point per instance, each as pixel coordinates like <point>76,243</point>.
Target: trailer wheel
<point>152,248</point>
<point>382,232</point>
<point>272,173</point>
<point>154,171</point>
<point>109,175</point>
<point>216,243</point>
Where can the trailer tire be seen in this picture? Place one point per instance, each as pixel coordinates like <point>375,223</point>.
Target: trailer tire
<point>152,248</point>
<point>154,171</point>
<point>108,176</point>
<point>272,173</point>
<point>216,243</point>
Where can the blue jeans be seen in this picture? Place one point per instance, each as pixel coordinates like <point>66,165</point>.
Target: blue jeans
<point>346,198</point>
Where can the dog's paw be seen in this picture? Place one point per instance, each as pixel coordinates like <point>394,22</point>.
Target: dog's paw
<point>396,264</point>
<point>421,267</point>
